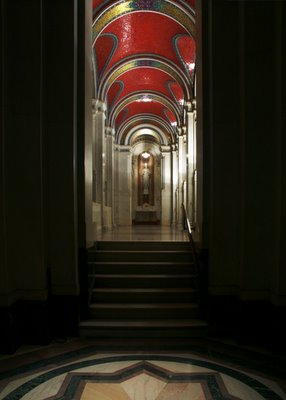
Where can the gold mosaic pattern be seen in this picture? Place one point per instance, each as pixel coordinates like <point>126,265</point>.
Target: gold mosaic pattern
<point>109,15</point>
<point>119,9</point>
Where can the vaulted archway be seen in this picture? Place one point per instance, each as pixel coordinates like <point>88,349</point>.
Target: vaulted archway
<point>144,56</point>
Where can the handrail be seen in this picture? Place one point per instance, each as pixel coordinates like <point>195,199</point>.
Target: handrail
<point>187,226</point>
<point>187,223</point>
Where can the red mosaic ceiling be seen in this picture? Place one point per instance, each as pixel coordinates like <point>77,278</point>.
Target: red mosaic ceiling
<point>144,58</point>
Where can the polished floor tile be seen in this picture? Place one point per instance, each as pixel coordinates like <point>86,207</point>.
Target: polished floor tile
<point>144,233</point>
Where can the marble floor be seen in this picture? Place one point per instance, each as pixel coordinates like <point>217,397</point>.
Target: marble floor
<point>144,233</point>
<point>76,370</point>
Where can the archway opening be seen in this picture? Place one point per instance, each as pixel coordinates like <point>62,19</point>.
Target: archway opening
<point>144,102</point>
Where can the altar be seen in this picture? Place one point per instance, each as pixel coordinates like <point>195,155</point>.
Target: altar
<point>146,215</point>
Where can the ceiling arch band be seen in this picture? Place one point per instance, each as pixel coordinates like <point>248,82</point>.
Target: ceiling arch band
<point>165,7</point>
<point>139,97</point>
<point>126,135</point>
<point>145,131</point>
<point>145,61</point>
<point>145,120</point>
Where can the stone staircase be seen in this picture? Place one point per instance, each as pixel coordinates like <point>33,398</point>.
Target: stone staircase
<point>143,290</point>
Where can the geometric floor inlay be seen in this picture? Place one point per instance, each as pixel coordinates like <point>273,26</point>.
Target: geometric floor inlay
<point>134,377</point>
<point>143,381</point>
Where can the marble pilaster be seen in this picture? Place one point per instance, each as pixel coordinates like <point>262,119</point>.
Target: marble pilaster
<point>166,204</point>
<point>181,174</point>
<point>124,186</point>
<point>191,164</point>
<point>99,155</point>
<point>174,181</point>
<point>109,181</point>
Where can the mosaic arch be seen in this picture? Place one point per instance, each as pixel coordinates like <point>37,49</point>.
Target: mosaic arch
<point>144,62</point>
<point>125,132</point>
<point>147,130</point>
<point>146,101</point>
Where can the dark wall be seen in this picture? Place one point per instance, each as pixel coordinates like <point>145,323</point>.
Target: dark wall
<point>40,132</point>
<point>244,139</point>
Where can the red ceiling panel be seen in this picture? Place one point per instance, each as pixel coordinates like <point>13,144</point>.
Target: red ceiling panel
<point>137,107</point>
<point>145,79</point>
<point>107,43</point>
<point>144,31</point>
<point>186,47</point>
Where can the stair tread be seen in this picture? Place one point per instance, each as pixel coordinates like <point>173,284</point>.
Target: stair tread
<point>139,263</point>
<point>140,276</point>
<point>166,323</point>
<point>141,241</point>
<point>188,251</point>
<point>145,290</point>
<point>143,305</point>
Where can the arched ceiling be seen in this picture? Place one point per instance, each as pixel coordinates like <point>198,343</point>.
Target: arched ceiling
<point>144,60</point>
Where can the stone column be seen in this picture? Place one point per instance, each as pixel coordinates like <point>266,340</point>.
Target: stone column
<point>99,154</point>
<point>191,162</point>
<point>94,151</point>
<point>124,186</point>
<point>174,181</point>
<point>185,161</point>
<point>166,199</point>
<point>109,181</point>
<point>198,192</point>
<point>182,173</point>
<point>116,185</point>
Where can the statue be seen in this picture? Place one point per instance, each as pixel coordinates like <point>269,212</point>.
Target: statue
<point>145,179</point>
<point>146,183</point>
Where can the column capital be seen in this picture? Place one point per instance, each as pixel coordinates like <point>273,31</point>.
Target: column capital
<point>93,105</point>
<point>123,148</point>
<point>166,149</point>
<point>184,129</point>
<point>189,106</point>
<point>98,106</point>
<point>174,147</point>
<point>179,131</point>
<point>109,131</point>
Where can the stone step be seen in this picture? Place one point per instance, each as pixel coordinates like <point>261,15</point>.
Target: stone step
<point>141,245</point>
<point>140,255</point>
<point>142,280</point>
<point>142,290</point>
<point>135,311</point>
<point>151,344</point>
<point>143,328</point>
<point>125,267</point>
<point>144,295</point>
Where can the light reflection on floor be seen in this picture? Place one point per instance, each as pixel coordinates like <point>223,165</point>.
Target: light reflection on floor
<point>144,233</point>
